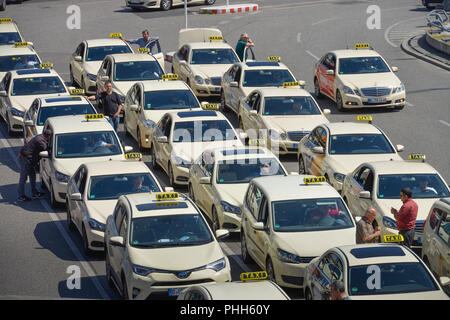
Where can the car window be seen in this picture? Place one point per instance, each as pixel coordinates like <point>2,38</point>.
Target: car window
<point>123,226</point>
<point>263,210</point>
<point>167,127</point>
<point>444,229</point>
<point>359,144</point>
<point>82,180</point>
<point>422,185</point>
<point>99,53</point>
<point>238,73</point>
<point>290,106</point>
<point>87,144</point>
<point>118,216</point>
<point>257,103</point>
<point>29,61</point>
<point>254,201</point>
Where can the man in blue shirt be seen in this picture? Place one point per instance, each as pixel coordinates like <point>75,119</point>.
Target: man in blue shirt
<point>243,43</point>
<point>146,41</point>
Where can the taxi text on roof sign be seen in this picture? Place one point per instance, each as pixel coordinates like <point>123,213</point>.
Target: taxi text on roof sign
<point>20,44</point>
<point>274,58</point>
<point>94,116</point>
<point>314,180</point>
<point>291,84</point>
<point>256,142</point>
<point>5,20</point>
<point>393,238</point>
<point>364,118</point>
<point>362,46</point>
<point>169,76</point>
<point>76,91</point>
<point>211,106</point>
<point>417,156</point>
<point>133,155</point>
<point>215,38</point>
<point>166,195</point>
<point>115,35</point>
<point>143,50</point>
<point>260,275</point>
<point>46,65</point>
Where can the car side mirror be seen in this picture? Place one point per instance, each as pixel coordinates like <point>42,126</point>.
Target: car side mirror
<point>326,111</point>
<point>43,154</point>
<point>400,147</point>
<point>445,281</point>
<point>394,69</point>
<point>104,78</point>
<point>243,135</point>
<point>116,241</point>
<point>364,195</point>
<point>259,226</point>
<point>222,234</point>
<point>168,189</point>
<point>76,196</point>
<point>205,180</point>
<point>234,84</point>
<point>253,112</point>
<point>78,58</point>
<point>162,139</point>
<point>182,61</point>
<point>128,148</point>
<point>318,150</point>
<point>3,93</point>
<point>134,107</point>
<point>329,72</point>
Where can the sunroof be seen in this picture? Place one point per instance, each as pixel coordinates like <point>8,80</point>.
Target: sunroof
<point>32,71</point>
<point>241,151</point>
<point>189,114</point>
<point>50,100</point>
<point>263,64</point>
<point>377,251</point>
<point>161,205</point>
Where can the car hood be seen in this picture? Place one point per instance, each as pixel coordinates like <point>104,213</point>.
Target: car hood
<point>210,70</point>
<point>191,151</point>
<point>232,193</point>
<point>370,80</point>
<point>424,205</point>
<point>100,210</point>
<point>347,163</point>
<point>156,115</point>
<point>23,103</point>
<point>92,67</point>
<point>122,87</point>
<point>69,166</point>
<point>294,123</point>
<point>166,258</point>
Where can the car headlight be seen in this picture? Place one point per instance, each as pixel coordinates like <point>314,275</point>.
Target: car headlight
<point>217,265</point>
<point>91,76</point>
<point>230,208</point>
<point>399,89</point>
<point>348,90</point>
<point>95,225</point>
<point>181,162</point>
<point>339,177</point>
<point>207,81</point>
<point>17,113</point>
<point>61,177</point>
<point>142,271</point>
<point>389,223</point>
<point>287,256</point>
<point>357,92</point>
<point>198,79</point>
<point>148,123</point>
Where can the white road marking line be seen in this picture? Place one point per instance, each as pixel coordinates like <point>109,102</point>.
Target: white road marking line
<point>322,21</point>
<point>90,272</point>
<point>232,255</point>
<point>388,30</point>
<point>445,122</point>
<point>312,55</point>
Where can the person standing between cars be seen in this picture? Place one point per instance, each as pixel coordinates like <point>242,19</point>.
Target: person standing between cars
<point>111,104</point>
<point>28,160</point>
<point>145,42</point>
<point>243,43</point>
<point>406,216</point>
<point>365,230</point>
<point>337,291</point>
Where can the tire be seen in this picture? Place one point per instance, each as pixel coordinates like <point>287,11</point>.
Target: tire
<point>339,102</point>
<point>109,278</point>
<point>210,2</point>
<point>155,165</point>
<point>70,224</point>
<point>270,271</point>
<point>166,5</point>
<point>244,251</point>
<point>308,295</point>
<point>86,249</point>
<point>317,92</point>
<point>3,5</point>
<point>215,220</point>
<point>301,165</point>
<point>124,289</point>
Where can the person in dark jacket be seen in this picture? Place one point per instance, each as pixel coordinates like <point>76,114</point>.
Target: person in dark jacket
<point>28,160</point>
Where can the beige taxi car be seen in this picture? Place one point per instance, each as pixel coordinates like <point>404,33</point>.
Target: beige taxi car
<point>20,88</point>
<point>158,244</point>
<point>358,78</point>
<point>9,32</point>
<point>377,184</point>
<point>289,220</point>
<point>281,116</point>
<point>87,59</point>
<point>202,59</point>
<point>14,57</point>
<point>74,140</point>
<point>219,178</point>
<point>335,149</point>
<point>147,101</point>
<point>180,137</point>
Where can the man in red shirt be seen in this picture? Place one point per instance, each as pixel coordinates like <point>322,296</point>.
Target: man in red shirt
<point>406,216</point>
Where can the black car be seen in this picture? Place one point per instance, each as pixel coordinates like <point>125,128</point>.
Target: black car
<point>431,4</point>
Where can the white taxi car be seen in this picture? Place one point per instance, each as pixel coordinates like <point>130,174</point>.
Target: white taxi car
<point>93,190</point>
<point>18,90</point>
<point>85,62</point>
<point>282,216</point>
<point>146,103</point>
<point>162,4</point>
<point>43,108</point>
<point>256,288</point>
<point>157,247</point>
<point>15,57</point>
<point>282,116</point>
<point>436,243</point>
<point>75,140</point>
<point>358,78</point>
<point>244,77</point>
<point>9,32</point>
<point>335,149</point>
<point>124,70</point>
<point>180,137</point>
<point>377,184</point>
<point>379,271</point>
<point>201,60</point>
<point>219,178</point>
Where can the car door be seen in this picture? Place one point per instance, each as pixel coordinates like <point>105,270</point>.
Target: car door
<point>442,244</point>
<point>136,98</point>
<point>246,107</point>
<point>228,76</point>
<point>359,182</point>
<point>309,156</point>
<point>30,131</point>
<point>253,236</point>
<point>157,53</point>
<point>77,66</point>
<point>166,148</point>
<point>263,237</point>
<point>329,268</point>
<point>80,206</point>
<point>206,191</point>
<point>4,101</point>
<point>116,253</point>
<point>326,81</point>
<point>130,116</point>
<point>181,66</point>
<point>236,92</point>
<point>159,131</point>
<point>103,71</point>
<point>46,163</point>
<point>255,117</point>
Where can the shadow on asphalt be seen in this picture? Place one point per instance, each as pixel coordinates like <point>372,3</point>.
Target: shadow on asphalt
<point>86,289</point>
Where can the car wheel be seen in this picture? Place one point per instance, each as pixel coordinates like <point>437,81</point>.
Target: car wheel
<point>210,2</point>
<point>53,201</point>
<point>308,295</point>
<point>244,251</point>
<point>301,165</point>
<point>191,192</point>
<point>154,162</point>
<point>270,271</point>
<point>171,177</point>
<point>215,220</point>
<point>86,249</point>
<point>108,270</point>
<point>166,5</point>
<point>3,5</point>
<point>339,102</point>
<point>70,223</point>
<point>124,289</point>
<point>317,92</point>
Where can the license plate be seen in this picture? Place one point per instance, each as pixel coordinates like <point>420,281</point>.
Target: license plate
<point>175,292</point>
<point>376,100</point>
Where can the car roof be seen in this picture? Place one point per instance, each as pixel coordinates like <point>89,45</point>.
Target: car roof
<point>367,254</point>
<point>292,187</point>
<point>283,92</point>
<point>117,167</point>
<point>8,27</point>
<point>126,57</point>
<point>231,153</point>
<point>66,100</point>
<point>266,65</point>
<point>209,45</point>
<point>78,123</point>
<point>29,73</point>
<point>105,42</point>
<point>158,85</point>
<point>351,128</point>
<point>10,50</point>
<point>349,53</point>
<point>238,290</point>
<point>200,115</point>
<point>401,167</point>
<point>144,200</point>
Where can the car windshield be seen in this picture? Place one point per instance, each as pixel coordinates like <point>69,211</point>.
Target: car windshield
<point>213,56</point>
<point>170,99</point>
<point>63,110</point>
<point>37,85</point>
<point>243,170</point>
<point>422,186</point>
<point>113,186</point>
<point>267,78</point>
<point>359,144</point>
<point>9,38</point>
<point>87,144</point>
<point>201,131</point>
<point>27,61</point>
<point>169,231</point>
<point>394,278</point>
<point>138,71</point>
<point>310,215</point>
<point>276,106</point>
<point>99,53</point>
<point>362,65</point>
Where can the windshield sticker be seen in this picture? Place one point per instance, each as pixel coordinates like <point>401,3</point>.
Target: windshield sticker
<point>381,196</point>
<point>354,289</point>
<point>333,151</point>
<point>277,226</point>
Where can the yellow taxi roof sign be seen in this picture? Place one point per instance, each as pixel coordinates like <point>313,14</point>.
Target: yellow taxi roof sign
<point>94,116</point>
<point>46,65</point>
<point>256,142</point>
<point>311,180</point>
<point>115,35</point>
<point>364,118</point>
<point>274,58</point>
<point>143,50</point>
<point>20,44</point>
<point>362,46</point>
<point>169,76</point>
<point>392,238</point>
<point>6,20</point>
<point>76,91</point>
<point>291,84</point>
<point>166,195</point>
<point>133,155</point>
<point>417,156</point>
<point>258,275</point>
<point>168,204</point>
<point>211,106</point>
<point>215,38</point>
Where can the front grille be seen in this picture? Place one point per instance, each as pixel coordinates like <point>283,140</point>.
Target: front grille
<point>216,81</point>
<point>180,283</point>
<point>376,91</point>
<point>419,226</point>
<point>297,135</point>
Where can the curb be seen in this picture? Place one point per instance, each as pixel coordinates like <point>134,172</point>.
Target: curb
<point>408,49</point>
<point>251,7</point>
